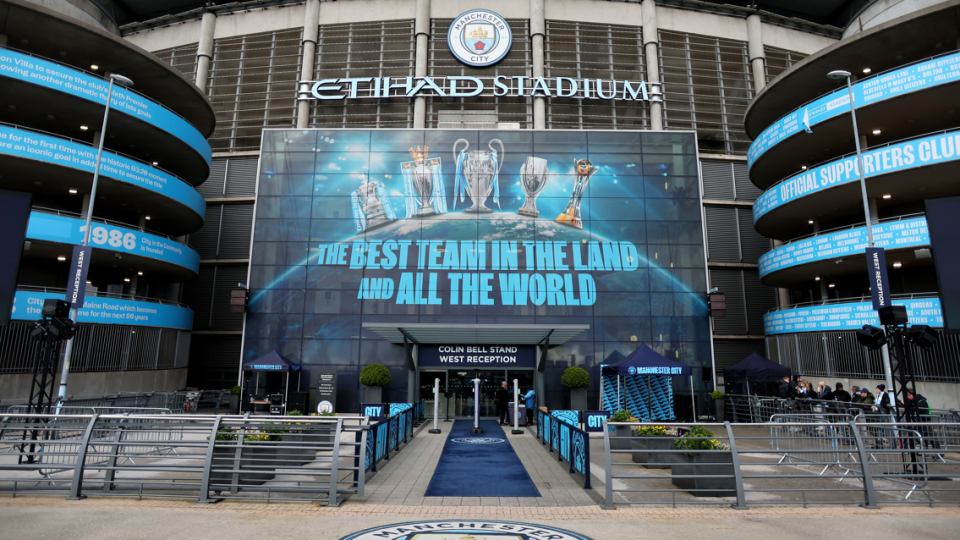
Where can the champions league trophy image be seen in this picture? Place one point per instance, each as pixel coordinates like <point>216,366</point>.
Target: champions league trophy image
<point>370,205</point>
<point>423,185</point>
<point>478,173</point>
<point>533,178</point>
<point>571,214</point>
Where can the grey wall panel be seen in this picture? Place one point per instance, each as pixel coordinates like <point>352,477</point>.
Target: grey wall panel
<point>227,279</point>
<point>717,179</point>
<point>235,231</point>
<point>751,243</point>
<point>722,240</point>
<point>215,361</point>
<point>730,282</point>
<point>198,295</point>
<point>760,299</point>
<point>241,177</point>
<point>213,186</point>
<point>205,240</point>
<point>746,191</point>
<point>728,352</point>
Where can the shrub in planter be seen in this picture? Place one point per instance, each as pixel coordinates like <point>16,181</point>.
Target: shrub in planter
<point>577,380</point>
<point>655,445</point>
<point>235,400</point>
<point>374,377</point>
<point>702,468</point>
<point>718,405</point>
<point>620,438</point>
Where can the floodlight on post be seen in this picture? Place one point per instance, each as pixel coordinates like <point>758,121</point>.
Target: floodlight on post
<point>68,350</point>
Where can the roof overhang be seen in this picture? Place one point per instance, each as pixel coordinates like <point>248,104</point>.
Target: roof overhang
<point>513,334</point>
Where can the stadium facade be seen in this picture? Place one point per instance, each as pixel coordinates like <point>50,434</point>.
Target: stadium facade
<point>308,89</point>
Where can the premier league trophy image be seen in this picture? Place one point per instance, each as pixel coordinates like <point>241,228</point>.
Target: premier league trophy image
<point>423,185</point>
<point>571,214</point>
<point>478,173</point>
<point>533,178</point>
<point>370,205</point>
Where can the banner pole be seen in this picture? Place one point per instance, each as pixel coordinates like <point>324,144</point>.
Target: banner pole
<point>476,408</point>
<point>516,408</point>
<point>436,407</point>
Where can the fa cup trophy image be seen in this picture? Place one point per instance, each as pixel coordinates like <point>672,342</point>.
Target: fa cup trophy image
<point>533,178</point>
<point>478,173</point>
<point>423,185</point>
<point>571,214</point>
<point>370,205</point>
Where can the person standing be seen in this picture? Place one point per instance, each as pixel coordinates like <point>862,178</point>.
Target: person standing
<point>530,399</point>
<point>502,399</point>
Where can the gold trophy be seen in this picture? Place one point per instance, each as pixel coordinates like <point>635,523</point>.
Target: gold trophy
<point>571,214</point>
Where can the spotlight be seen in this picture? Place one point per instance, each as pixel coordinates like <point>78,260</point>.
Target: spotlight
<point>871,337</point>
<point>876,132</point>
<point>893,315</point>
<point>922,336</point>
<point>897,264</point>
<point>84,128</point>
<point>94,67</point>
<point>887,196</point>
<point>61,258</point>
<point>866,71</point>
<point>53,307</point>
<point>809,222</point>
<point>831,285</point>
<point>816,278</point>
<point>72,191</point>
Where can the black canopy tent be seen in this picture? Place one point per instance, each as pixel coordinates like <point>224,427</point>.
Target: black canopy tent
<point>646,362</point>
<point>272,362</point>
<point>755,368</point>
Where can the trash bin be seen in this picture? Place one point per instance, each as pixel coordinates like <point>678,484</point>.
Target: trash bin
<point>522,415</point>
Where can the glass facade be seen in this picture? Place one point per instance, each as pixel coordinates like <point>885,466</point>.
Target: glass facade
<point>342,236</point>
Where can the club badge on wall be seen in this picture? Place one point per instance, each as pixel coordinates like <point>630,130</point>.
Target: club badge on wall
<point>479,38</point>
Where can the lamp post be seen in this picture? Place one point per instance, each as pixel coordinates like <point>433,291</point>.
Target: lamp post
<point>838,75</point>
<point>68,350</point>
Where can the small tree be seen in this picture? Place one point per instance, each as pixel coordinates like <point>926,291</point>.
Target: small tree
<point>575,377</point>
<point>375,375</point>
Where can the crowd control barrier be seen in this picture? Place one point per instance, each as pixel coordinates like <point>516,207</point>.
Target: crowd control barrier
<point>386,435</point>
<point>559,432</point>
<point>791,459</point>
<point>288,458</point>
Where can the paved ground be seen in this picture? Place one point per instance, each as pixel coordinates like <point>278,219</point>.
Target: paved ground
<point>404,479</point>
<point>109,518</point>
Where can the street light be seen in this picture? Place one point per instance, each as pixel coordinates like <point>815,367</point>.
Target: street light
<point>68,350</point>
<point>838,75</point>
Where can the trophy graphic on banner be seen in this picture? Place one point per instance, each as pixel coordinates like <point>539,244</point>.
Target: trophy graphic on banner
<point>423,185</point>
<point>478,174</point>
<point>571,214</point>
<point>370,205</point>
<point>533,178</point>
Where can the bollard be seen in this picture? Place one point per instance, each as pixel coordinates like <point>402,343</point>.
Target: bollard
<point>476,430</point>
<point>516,409</point>
<point>436,407</point>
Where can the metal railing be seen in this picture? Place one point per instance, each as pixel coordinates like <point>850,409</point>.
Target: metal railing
<point>570,442</point>
<point>302,458</point>
<point>386,435</point>
<point>795,459</point>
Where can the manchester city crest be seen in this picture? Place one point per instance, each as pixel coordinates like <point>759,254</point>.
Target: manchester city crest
<point>479,38</point>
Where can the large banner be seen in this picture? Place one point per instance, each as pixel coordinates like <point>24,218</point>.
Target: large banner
<point>461,227</point>
<point>28,304</point>
<point>847,316</point>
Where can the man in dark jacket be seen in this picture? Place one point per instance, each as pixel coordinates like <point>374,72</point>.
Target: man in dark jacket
<point>840,394</point>
<point>502,399</point>
<point>787,390</point>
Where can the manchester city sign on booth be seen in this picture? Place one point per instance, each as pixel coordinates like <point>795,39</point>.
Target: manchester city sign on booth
<point>479,38</point>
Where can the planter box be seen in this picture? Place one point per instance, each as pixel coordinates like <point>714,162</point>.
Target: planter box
<point>578,399</point>
<point>701,465</point>
<point>718,407</point>
<point>234,404</point>
<point>312,440</point>
<point>620,437</point>
<point>255,456</point>
<point>372,394</point>
<point>654,447</point>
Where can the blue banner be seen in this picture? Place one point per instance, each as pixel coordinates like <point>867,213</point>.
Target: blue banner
<point>27,306</point>
<point>82,157</point>
<point>879,283</point>
<point>90,87</point>
<point>940,148</point>
<point>883,86</point>
<point>847,316</point>
<point>69,230</point>
<point>891,235</point>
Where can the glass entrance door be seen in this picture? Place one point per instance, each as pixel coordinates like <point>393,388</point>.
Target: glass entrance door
<point>427,379</point>
<point>458,384</point>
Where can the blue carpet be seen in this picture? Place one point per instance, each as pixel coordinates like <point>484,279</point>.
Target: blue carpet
<point>480,469</point>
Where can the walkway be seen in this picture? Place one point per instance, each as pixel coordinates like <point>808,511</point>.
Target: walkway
<point>404,479</point>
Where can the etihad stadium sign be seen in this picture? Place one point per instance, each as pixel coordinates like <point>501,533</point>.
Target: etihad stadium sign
<point>465,87</point>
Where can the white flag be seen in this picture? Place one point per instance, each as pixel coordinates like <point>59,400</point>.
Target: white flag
<point>806,121</point>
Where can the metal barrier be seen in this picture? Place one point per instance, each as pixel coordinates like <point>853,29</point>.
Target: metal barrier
<point>210,457</point>
<point>570,442</point>
<point>386,435</point>
<point>819,459</point>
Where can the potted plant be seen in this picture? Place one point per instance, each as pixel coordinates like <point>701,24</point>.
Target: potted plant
<point>235,400</point>
<point>702,469</point>
<point>655,443</point>
<point>718,404</point>
<point>577,380</point>
<point>374,377</point>
<point>620,438</point>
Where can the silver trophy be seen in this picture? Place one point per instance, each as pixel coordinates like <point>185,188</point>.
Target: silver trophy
<point>533,178</point>
<point>368,205</point>
<point>422,182</point>
<point>478,173</point>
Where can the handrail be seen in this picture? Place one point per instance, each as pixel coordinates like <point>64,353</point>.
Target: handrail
<point>85,143</point>
<point>53,211</point>
<point>100,294</point>
<point>848,228</point>
<point>854,299</point>
<point>865,151</point>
